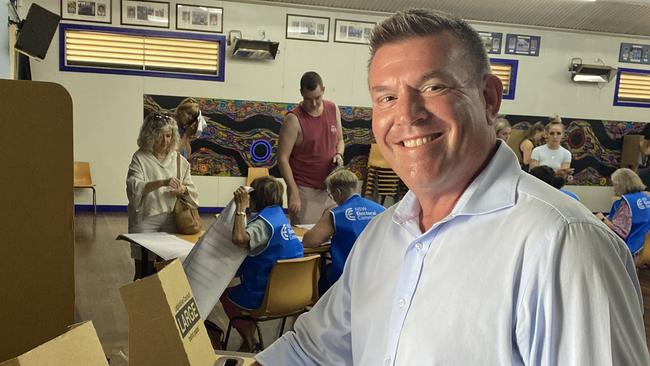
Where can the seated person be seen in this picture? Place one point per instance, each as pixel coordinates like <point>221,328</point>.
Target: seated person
<point>629,216</point>
<point>552,154</point>
<point>503,129</point>
<point>342,223</point>
<point>547,175</point>
<point>269,237</point>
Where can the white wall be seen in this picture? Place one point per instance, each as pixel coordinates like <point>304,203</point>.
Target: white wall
<point>4,40</point>
<point>108,108</point>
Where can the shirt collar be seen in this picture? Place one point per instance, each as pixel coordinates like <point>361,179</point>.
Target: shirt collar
<point>493,189</point>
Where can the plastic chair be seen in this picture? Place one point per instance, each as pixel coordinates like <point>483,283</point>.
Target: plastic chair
<point>292,286</point>
<point>82,179</point>
<point>254,172</point>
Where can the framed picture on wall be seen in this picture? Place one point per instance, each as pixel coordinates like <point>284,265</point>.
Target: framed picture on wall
<point>350,31</point>
<point>145,13</point>
<point>308,28</point>
<point>98,11</point>
<point>199,18</point>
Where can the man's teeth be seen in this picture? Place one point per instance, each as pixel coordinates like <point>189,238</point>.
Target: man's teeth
<point>417,141</point>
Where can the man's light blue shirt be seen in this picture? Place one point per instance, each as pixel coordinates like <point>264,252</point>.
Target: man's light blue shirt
<point>516,274</point>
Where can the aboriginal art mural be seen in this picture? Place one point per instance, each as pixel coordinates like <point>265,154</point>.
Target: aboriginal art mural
<point>595,145</point>
<point>244,133</point>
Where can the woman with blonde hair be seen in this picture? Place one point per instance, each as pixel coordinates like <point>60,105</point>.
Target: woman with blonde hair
<point>503,129</point>
<point>629,216</point>
<point>152,186</point>
<point>189,119</point>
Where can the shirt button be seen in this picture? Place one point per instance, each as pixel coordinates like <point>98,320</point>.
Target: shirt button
<point>418,246</point>
<point>401,302</point>
<point>387,362</point>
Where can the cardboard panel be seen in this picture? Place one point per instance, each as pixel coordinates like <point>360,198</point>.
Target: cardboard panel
<point>36,211</point>
<point>631,151</point>
<point>77,347</point>
<point>165,327</point>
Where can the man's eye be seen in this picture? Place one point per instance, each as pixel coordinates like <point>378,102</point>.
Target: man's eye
<point>433,88</point>
<point>386,99</point>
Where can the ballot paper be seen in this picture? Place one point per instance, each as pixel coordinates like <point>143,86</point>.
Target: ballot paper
<point>213,261</point>
<point>166,246</point>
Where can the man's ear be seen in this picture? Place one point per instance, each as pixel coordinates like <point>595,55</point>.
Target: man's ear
<point>492,94</point>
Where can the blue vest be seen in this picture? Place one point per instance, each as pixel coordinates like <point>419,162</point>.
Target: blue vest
<point>350,218</point>
<point>570,194</point>
<point>639,203</point>
<point>255,269</point>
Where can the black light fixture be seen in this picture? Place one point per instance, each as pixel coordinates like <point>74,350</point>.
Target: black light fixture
<point>252,49</point>
<point>590,73</point>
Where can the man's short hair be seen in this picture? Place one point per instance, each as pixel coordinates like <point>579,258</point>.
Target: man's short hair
<point>424,22</point>
<point>310,81</point>
<point>341,179</point>
<point>267,191</point>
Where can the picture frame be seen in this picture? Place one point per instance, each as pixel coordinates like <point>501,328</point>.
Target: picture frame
<point>352,31</point>
<point>522,44</point>
<point>199,18</point>
<point>308,28</point>
<point>145,13</point>
<point>491,41</point>
<point>95,11</point>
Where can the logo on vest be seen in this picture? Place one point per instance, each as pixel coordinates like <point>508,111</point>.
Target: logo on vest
<point>643,203</point>
<point>333,129</point>
<point>359,213</point>
<point>287,232</point>
<point>350,215</point>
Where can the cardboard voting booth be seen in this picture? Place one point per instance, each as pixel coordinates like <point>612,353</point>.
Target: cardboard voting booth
<point>36,210</point>
<point>165,327</point>
<point>79,346</point>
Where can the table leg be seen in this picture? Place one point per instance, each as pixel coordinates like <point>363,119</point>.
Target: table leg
<point>144,257</point>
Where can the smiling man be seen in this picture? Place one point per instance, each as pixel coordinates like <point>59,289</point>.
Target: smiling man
<point>480,263</point>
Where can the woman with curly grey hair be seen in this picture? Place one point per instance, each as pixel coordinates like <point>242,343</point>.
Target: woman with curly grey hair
<point>152,186</point>
<point>629,217</point>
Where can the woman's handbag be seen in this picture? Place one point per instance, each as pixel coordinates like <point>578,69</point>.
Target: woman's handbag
<point>187,216</point>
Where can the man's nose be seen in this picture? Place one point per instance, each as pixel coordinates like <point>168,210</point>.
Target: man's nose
<point>410,107</point>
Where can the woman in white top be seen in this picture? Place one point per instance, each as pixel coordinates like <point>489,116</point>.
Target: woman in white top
<point>152,186</point>
<point>552,154</point>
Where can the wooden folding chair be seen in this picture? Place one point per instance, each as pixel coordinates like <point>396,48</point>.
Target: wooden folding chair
<point>82,179</point>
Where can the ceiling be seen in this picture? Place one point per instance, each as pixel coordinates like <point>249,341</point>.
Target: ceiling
<point>630,17</point>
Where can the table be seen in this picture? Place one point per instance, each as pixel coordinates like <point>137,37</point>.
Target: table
<point>167,246</point>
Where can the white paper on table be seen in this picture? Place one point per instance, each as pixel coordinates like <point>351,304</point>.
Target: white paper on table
<point>165,245</point>
<point>214,261</point>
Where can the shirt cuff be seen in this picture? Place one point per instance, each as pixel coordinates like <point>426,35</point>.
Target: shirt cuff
<point>283,352</point>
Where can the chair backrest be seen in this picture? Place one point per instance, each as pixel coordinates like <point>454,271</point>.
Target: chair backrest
<point>293,285</point>
<point>376,159</point>
<point>82,176</point>
<point>644,256</point>
<point>254,172</point>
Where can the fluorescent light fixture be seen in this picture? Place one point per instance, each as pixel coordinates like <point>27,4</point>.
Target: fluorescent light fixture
<point>590,73</point>
<point>259,50</point>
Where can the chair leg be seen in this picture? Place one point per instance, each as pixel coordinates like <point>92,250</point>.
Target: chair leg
<point>94,202</point>
<point>259,334</point>
<point>284,320</point>
<point>225,341</point>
